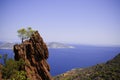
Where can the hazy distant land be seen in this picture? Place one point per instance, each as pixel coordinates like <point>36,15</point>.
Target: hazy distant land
<point>8,45</point>
<point>58,45</point>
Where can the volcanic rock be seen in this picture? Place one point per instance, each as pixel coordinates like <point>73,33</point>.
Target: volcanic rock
<point>35,53</point>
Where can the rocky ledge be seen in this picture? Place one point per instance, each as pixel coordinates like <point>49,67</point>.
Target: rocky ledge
<point>35,53</point>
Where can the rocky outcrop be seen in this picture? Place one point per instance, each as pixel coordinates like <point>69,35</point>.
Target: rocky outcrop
<point>35,53</point>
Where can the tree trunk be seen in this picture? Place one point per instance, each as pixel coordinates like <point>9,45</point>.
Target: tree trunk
<point>22,40</point>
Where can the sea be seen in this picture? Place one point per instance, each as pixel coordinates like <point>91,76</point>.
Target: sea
<point>62,60</point>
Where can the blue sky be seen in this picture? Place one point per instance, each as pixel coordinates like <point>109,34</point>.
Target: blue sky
<point>95,22</point>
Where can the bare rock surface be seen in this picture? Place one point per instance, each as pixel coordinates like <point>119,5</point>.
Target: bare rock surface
<point>35,53</point>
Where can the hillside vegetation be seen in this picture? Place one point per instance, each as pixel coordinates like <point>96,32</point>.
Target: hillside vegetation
<point>106,71</point>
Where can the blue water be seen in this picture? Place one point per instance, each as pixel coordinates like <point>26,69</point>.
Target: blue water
<point>62,60</point>
<point>9,53</point>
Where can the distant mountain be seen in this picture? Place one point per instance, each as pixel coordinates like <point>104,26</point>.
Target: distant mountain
<point>58,45</point>
<point>6,45</point>
<point>106,71</point>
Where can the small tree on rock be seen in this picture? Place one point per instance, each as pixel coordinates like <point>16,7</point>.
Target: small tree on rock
<point>29,32</point>
<point>22,34</point>
<point>25,33</point>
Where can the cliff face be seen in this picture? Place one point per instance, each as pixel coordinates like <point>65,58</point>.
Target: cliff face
<point>35,53</point>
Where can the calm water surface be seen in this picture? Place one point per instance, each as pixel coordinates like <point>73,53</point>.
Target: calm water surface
<point>62,60</point>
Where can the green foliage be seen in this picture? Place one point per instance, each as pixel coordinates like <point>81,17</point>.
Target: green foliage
<point>0,56</point>
<point>29,32</point>
<point>11,70</point>
<point>25,33</point>
<point>20,75</point>
<point>5,56</point>
<point>22,34</point>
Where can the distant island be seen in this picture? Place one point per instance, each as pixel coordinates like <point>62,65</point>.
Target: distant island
<point>58,45</point>
<point>8,45</point>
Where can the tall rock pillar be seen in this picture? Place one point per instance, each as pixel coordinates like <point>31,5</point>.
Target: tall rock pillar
<point>35,53</point>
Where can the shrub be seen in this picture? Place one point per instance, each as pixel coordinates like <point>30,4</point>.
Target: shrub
<point>11,70</point>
